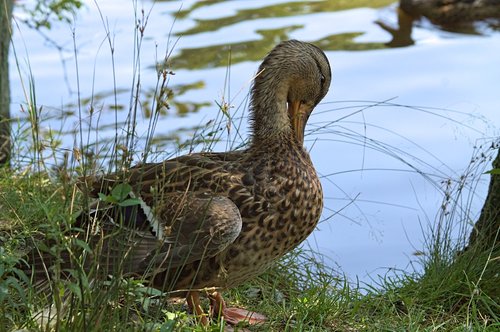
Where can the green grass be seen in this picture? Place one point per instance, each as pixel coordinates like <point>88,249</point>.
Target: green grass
<point>455,292</point>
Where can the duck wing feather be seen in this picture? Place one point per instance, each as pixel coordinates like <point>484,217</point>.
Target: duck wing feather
<point>182,217</point>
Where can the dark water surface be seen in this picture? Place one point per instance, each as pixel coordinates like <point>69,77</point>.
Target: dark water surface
<point>384,165</point>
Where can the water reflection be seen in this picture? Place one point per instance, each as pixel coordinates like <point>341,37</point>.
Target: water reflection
<point>230,54</point>
<point>284,9</point>
<point>401,35</point>
<point>458,16</point>
<point>471,17</point>
<point>170,100</point>
<point>221,53</point>
<point>168,105</point>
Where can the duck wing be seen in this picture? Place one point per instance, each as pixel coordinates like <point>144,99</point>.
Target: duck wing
<point>180,215</point>
<point>186,228</point>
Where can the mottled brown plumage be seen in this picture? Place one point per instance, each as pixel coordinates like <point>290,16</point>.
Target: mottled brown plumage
<point>452,12</point>
<point>215,220</point>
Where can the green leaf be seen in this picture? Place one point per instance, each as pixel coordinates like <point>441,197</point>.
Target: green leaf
<point>103,197</point>
<point>107,198</point>
<point>121,191</point>
<point>14,283</point>
<point>146,302</point>
<point>43,247</point>
<point>168,326</point>
<point>84,245</point>
<point>171,315</point>
<point>153,291</point>
<point>130,202</point>
<point>75,290</point>
<point>494,171</point>
<point>20,275</point>
<point>3,292</point>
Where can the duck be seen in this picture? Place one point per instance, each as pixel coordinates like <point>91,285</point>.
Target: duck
<point>452,12</point>
<point>206,222</point>
<point>452,15</point>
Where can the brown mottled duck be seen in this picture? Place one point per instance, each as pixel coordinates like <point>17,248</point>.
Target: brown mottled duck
<point>452,12</point>
<point>210,221</point>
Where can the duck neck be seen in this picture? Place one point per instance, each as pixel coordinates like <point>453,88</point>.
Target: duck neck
<point>269,114</point>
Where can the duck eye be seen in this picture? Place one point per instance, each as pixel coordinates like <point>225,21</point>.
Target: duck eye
<point>323,79</point>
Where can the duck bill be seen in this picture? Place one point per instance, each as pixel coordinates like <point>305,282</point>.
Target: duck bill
<point>298,113</point>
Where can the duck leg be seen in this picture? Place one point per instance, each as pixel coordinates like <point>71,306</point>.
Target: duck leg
<point>193,301</point>
<point>233,315</point>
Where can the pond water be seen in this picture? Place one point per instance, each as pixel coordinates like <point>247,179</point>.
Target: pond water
<point>395,126</point>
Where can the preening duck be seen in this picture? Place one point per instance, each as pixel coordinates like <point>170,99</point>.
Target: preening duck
<point>211,221</point>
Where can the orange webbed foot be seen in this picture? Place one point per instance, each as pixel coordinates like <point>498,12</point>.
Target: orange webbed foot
<point>233,316</point>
